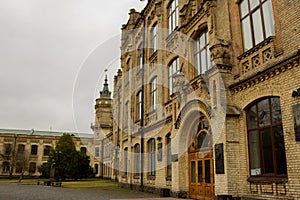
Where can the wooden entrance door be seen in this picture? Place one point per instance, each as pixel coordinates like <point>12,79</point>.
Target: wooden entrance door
<point>201,175</point>
<point>201,163</point>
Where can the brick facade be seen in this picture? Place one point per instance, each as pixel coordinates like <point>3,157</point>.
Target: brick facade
<point>234,79</point>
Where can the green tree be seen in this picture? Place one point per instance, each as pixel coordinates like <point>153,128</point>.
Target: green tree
<point>68,162</point>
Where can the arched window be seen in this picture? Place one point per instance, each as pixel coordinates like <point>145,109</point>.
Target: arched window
<point>173,69</point>
<point>202,140</point>
<point>265,138</point>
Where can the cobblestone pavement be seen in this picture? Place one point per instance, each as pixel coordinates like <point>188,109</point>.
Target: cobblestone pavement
<point>15,191</point>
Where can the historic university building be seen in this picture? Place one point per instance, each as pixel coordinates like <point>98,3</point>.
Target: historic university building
<point>207,101</point>
<point>206,104</point>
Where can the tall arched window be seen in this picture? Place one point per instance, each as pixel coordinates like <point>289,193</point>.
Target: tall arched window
<point>265,138</point>
<point>173,69</point>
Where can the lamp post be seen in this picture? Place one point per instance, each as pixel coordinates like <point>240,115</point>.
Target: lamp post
<point>58,164</point>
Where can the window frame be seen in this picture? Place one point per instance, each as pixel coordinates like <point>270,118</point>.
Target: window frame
<point>34,149</point>
<point>97,152</point>
<point>198,49</point>
<point>140,56</point>
<point>46,150</point>
<point>151,158</point>
<point>168,157</point>
<point>172,16</point>
<point>258,131</point>
<point>153,94</point>
<point>154,37</point>
<point>137,160</point>
<point>125,161</point>
<point>172,70</point>
<point>139,105</point>
<point>126,112</point>
<point>266,24</point>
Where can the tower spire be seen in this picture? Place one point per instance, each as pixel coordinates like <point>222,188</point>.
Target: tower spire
<point>105,91</point>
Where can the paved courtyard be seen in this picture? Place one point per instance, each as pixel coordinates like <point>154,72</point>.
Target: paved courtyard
<point>15,191</point>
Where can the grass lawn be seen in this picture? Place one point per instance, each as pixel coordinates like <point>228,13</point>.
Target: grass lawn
<point>89,183</point>
<point>85,183</point>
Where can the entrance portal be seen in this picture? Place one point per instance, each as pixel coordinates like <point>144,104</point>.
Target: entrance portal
<point>201,164</point>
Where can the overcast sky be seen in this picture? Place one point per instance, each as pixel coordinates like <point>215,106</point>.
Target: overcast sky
<point>52,60</point>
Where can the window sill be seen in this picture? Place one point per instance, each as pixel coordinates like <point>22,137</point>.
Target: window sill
<point>271,179</point>
<point>256,47</point>
<point>168,178</point>
<point>136,177</point>
<point>151,177</point>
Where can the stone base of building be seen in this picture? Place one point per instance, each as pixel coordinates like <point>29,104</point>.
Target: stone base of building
<point>163,192</point>
<point>226,197</point>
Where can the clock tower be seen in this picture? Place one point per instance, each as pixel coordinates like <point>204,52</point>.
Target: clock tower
<point>103,113</point>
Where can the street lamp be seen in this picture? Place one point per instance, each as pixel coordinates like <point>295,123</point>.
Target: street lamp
<point>58,164</point>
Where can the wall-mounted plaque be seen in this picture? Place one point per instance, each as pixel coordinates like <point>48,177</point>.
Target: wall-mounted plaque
<point>219,158</point>
<point>296,113</point>
<point>159,152</point>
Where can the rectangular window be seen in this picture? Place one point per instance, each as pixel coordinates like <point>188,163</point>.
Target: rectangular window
<point>140,56</point>
<point>5,167</point>
<point>137,160</point>
<point>97,152</point>
<point>173,69</point>
<point>126,114</point>
<point>154,38</point>
<point>125,161</point>
<point>151,157</point>
<point>34,149</point>
<point>173,16</point>
<point>47,149</point>
<point>139,105</point>
<point>7,149</point>
<point>21,148</point>
<point>169,156</point>
<point>32,168</point>
<point>257,21</point>
<point>201,53</point>
<point>153,94</point>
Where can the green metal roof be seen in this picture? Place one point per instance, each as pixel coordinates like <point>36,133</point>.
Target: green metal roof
<point>43,133</point>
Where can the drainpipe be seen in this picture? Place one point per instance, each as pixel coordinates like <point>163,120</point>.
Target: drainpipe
<point>143,104</point>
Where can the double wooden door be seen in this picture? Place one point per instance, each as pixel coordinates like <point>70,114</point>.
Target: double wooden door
<point>201,175</point>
